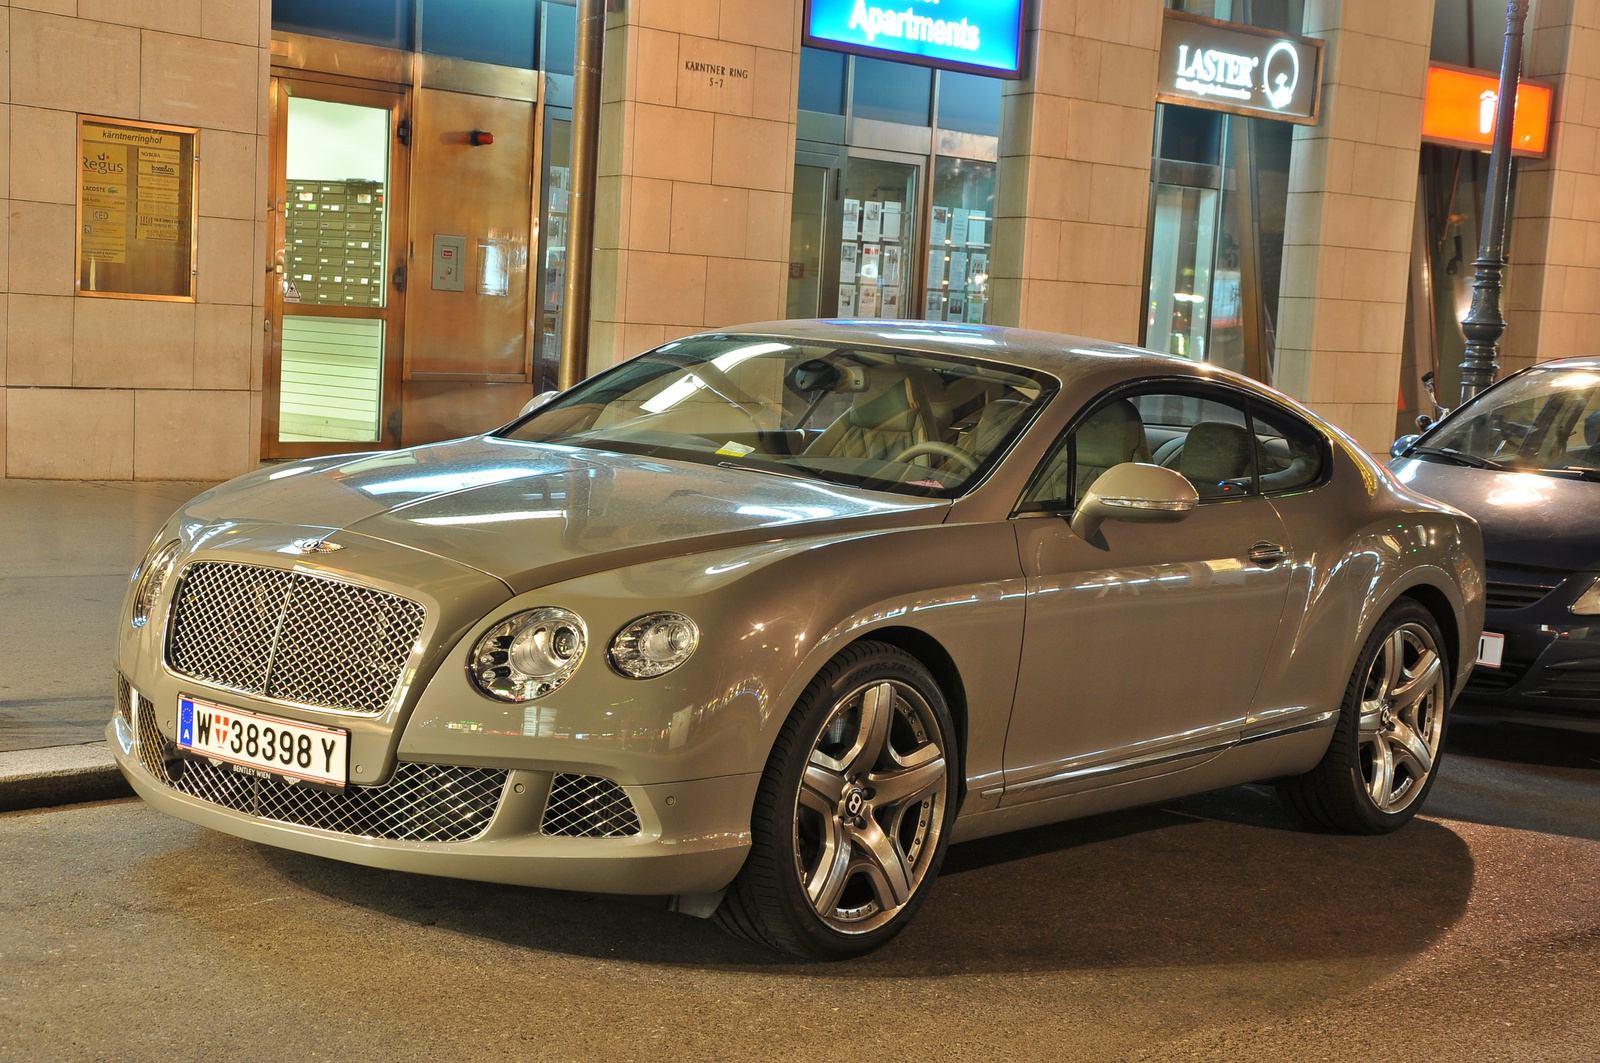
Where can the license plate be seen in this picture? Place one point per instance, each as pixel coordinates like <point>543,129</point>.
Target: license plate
<point>1491,648</point>
<point>265,744</point>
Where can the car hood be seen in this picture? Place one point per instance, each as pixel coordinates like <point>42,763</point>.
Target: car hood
<point>1527,518</point>
<point>532,514</point>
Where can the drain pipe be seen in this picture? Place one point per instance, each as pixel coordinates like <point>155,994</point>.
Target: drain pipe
<point>580,216</point>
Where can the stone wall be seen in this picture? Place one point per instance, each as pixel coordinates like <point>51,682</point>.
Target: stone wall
<point>696,170</point>
<point>106,388</point>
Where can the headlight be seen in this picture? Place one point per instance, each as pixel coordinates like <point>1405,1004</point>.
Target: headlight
<point>152,576</point>
<point>1588,603</point>
<point>654,645</point>
<point>528,655</point>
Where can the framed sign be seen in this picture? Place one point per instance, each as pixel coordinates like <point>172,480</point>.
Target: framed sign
<point>136,209</point>
<point>1459,111</point>
<point>974,36</point>
<point>1225,66</point>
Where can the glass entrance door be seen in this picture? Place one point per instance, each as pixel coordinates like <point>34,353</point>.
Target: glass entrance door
<point>879,210</point>
<point>334,304</point>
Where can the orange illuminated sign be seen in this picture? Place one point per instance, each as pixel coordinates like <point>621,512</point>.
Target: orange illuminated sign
<point>1459,110</point>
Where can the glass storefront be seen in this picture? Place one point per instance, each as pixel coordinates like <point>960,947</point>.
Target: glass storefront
<point>893,211</point>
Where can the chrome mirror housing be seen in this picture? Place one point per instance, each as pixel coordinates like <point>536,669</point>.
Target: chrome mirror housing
<point>1134,491</point>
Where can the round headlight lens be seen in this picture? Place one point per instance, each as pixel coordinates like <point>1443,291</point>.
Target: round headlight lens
<point>528,655</point>
<point>152,576</point>
<point>654,645</point>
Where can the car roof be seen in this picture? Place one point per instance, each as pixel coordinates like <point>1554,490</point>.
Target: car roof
<point>1048,351</point>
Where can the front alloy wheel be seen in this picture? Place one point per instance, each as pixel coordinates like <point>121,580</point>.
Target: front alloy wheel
<point>852,817</point>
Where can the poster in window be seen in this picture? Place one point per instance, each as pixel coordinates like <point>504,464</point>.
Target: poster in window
<point>891,221</point>
<point>872,221</point>
<point>852,220</point>
<point>136,209</point>
<point>890,267</point>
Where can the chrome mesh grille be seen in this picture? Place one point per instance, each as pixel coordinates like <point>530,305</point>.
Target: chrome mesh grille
<point>124,699</point>
<point>421,803</point>
<point>587,806</point>
<point>292,636</point>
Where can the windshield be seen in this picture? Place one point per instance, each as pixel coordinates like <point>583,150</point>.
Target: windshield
<point>890,420</point>
<point>1547,420</point>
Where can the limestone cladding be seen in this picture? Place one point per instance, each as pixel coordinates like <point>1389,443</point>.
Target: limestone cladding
<point>696,170</point>
<point>1352,201</point>
<point>1553,304</point>
<point>1074,176</point>
<point>104,388</point>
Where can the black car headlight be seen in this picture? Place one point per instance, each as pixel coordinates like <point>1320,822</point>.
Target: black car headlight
<point>654,645</point>
<point>151,576</point>
<point>528,655</point>
<point>1588,603</point>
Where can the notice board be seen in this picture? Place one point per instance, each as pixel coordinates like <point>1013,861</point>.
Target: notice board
<point>136,209</point>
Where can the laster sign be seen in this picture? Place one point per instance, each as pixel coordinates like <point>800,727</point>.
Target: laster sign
<point>1224,66</point>
<point>980,36</point>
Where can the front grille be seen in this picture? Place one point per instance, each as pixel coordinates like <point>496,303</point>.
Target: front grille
<point>587,806</point>
<point>292,636</point>
<point>421,803</point>
<point>124,699</point>
<point>1514,595</point>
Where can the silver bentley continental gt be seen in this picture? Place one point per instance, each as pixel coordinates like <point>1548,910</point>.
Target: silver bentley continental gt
<point>765,619</point>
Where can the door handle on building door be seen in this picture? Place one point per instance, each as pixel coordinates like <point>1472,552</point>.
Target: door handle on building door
<point>400,278</point>
<point>1267,554</point>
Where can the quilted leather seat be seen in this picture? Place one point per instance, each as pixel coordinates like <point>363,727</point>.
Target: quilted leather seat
<point>895,412</point>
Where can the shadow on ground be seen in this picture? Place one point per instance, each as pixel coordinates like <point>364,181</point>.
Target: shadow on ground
<point>1218,879</point>
<point>1526,778</point>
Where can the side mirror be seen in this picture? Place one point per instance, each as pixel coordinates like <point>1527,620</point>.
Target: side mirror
<point>1135,492</point>
<point>1403,444</point>
<point>536,402</point>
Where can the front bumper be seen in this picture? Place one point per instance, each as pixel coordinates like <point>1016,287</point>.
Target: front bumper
<point>1550,674</point>
<point>693,838</point>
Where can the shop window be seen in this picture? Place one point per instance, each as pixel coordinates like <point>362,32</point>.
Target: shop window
<point>959,241</point>
<point>558,38</point>
<point>1188,134</point>
<point>879,225</point>
<point>969,103</point>
<point>892,92</point>
<point>822,75</point>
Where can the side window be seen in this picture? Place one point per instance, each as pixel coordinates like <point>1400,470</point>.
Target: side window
<point>1206,439</point>
<point>1290,454</point>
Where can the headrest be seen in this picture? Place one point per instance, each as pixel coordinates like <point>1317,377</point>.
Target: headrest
<point>891,394</point>
<point>1112,436</point>
<point>1215,451</point>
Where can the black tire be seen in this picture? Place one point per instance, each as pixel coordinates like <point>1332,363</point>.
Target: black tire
<point>768,903</point>
<point>1336,794</point>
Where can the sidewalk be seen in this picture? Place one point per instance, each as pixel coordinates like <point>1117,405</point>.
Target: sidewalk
<point>66,551</point>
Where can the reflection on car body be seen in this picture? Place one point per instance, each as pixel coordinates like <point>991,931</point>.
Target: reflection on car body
<point>766,619</point>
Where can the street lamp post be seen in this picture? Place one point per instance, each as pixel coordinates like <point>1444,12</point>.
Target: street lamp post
<point>580,203</point>
<point>1484,325</point>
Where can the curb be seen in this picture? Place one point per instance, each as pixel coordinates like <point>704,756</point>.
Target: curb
<point>59,775</point>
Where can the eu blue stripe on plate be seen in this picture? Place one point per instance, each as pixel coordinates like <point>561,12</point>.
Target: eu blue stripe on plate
<point>185,722</point>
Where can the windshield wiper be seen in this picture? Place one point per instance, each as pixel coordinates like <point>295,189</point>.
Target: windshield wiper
<point>1459,457</point>
<point>1574,471</point>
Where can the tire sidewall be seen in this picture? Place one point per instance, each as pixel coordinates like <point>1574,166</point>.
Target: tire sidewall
<point>878,662</point>
<point>1402,612</point>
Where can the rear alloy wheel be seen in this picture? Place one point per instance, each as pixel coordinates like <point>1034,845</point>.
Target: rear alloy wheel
<point>851,821</point>
<point>1384,755</point>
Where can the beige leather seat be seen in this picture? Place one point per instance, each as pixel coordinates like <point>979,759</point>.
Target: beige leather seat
<point>895,412</point>
<point>1216,451</point>
<point>1113,435</point>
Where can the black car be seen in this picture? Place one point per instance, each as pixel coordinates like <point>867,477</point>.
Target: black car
<point>1523,458</point>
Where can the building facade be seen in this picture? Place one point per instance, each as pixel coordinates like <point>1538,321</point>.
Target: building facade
<point>241,231</point>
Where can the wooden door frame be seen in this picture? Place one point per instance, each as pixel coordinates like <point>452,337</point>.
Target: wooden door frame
<point>397,100</point>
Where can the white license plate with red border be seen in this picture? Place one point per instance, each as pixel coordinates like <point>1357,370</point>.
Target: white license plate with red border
<point>1491,649</point>
<point>267,744</point>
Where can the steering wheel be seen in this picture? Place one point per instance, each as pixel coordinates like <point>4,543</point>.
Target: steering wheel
<point>944,450</point>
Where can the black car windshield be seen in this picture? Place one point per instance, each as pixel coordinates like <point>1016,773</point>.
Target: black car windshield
<point>1546,420</point>
<point>910,422</point>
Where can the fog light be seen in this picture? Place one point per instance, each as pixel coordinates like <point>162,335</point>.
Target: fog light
<point>152,576</point>
<point>654,645</point>
<point>1588,603</point>
<point>528,655</point>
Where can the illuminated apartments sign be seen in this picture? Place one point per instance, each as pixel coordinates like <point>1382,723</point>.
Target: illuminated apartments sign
<point>977,36</point>
<point>1224,66</point>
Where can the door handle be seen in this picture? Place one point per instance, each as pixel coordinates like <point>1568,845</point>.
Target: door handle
<point>400,278</point>
<point>1267,554</point>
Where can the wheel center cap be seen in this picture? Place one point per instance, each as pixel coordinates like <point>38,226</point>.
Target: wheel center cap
<point>855,801</point>
<point>1387,717</point>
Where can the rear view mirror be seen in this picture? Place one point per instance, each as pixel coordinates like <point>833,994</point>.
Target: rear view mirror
<point>1137,492</point>
<point>537,401</point>
<point>1403,444</point>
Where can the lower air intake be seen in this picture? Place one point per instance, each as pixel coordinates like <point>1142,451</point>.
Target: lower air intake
<point>587,806</point>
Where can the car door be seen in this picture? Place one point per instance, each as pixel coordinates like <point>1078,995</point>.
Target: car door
<point>1142,650</point>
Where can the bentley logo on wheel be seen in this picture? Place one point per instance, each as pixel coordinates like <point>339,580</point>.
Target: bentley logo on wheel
<point>855,802</point>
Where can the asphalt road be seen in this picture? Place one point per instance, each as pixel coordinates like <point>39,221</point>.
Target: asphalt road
<point>1212,928</point>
